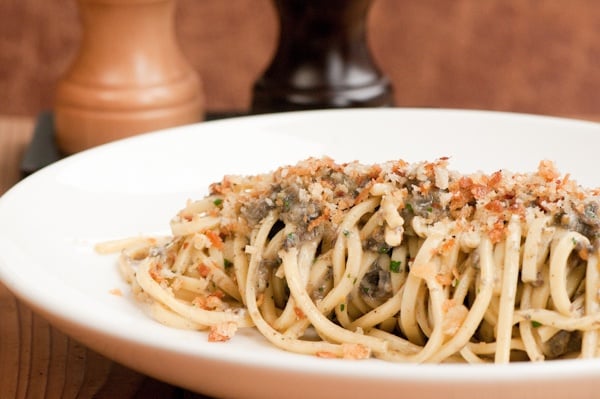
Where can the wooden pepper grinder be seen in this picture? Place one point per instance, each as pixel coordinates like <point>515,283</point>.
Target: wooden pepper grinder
<point>322,59</point>
<point>129,76</point>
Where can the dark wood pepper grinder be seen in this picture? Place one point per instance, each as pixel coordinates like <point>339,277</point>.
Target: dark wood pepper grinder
<point>129,76</point>
<point>322,59</point>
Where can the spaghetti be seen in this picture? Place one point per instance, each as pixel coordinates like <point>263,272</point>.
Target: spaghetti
<point>399,261</point>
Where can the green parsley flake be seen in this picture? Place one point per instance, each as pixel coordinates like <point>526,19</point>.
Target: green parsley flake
<point>218,202</point>
<point>395,266</point>
<point>535,324</point>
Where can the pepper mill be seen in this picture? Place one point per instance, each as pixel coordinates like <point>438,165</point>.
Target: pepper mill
<point>322,59</point>
<point>129,76</point>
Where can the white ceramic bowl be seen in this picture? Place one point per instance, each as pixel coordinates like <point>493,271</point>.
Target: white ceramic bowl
<point>50,221</point>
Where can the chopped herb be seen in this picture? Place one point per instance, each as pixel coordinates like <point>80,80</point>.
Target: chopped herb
<point>535,324</point>
<point>290,240</point>
<point>346,233</point>
<point>410,208</point>
<point>227,263</point>
<point>383,249</point>
<point>395,266</point>
<point>342,306</point>
<point>429,209</point>
<point>574,240</point>
<point>455,282</point>
<point>365,290</point>
<point>286,204</point>
<point>218,202</point>
<point>590,211</point>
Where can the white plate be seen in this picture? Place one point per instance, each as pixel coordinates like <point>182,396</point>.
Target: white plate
<point>50,221</point>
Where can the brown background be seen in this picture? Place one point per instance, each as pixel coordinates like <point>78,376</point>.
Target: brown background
<point>538,56</point>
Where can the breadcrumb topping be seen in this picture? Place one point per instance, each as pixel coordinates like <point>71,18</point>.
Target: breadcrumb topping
<point>316,194</point>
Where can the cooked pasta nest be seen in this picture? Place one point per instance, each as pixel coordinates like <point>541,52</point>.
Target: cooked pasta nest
<point>407,262</point>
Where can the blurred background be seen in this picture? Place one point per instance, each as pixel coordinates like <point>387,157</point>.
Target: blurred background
<point>518,55</point>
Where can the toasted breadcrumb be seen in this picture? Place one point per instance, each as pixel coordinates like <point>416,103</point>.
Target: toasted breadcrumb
<point>316,194</point>
<point>222,332</point>
<point>326,355</point>
<point>355,351</point>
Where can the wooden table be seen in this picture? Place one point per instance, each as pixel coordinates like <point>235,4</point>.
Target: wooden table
<point>37,360</point>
